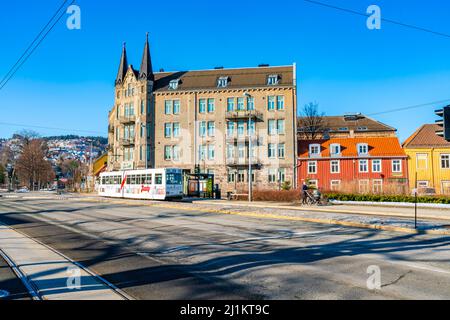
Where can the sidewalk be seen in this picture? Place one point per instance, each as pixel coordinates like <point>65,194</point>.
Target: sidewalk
<point>46,273</point>
<point>433,213</point>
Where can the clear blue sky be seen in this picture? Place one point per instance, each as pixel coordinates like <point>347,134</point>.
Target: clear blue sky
<point>68,82</point>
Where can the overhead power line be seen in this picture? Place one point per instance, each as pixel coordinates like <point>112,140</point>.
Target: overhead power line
<point>410,107</point>
<point>29,51</point>
<point>8,124</point>
<point>410,26</point>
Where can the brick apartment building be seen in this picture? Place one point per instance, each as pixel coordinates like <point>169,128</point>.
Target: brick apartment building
<point>353,154</point>
<point>205,121</point>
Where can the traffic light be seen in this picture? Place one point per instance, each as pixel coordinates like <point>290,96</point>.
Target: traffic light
<point>444,123</point>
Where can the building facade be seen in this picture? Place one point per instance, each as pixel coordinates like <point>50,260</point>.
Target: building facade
<point>354,165</point>
<point>428,159</point>
<point>220,121</point>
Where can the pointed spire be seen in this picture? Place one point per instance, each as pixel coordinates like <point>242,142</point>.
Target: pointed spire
<point>123,66</point>
<point>146,71</point>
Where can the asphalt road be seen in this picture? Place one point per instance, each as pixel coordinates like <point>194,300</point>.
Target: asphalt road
<point>167,253</point>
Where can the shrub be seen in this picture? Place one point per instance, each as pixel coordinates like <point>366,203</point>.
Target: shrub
<point>286,186</point>
<point>387,198</point>
<point>275,195</point>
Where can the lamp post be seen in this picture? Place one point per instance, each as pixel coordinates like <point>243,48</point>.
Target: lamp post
<point>250,171</point>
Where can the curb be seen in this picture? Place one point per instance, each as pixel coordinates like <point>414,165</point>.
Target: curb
<point>281,217</point>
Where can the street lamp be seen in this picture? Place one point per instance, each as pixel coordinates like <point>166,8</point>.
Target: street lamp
<point>144,126</point>
<point>250,171</point>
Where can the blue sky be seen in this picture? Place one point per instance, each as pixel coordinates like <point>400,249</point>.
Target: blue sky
<point>68,82</point>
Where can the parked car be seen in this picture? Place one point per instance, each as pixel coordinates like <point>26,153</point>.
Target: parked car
<point>23,190</point>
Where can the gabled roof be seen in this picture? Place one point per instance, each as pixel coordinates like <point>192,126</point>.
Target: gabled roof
<point>355,123</point>
<point>238,78</point>
<point>426,137</point>
<point>378,147</point>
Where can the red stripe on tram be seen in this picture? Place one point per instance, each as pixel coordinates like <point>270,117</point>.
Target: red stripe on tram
<point>123,182</point>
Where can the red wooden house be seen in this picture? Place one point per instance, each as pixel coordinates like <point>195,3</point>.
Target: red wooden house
<point>363,165</point>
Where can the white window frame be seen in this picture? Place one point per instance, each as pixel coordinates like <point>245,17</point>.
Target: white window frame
<point>319,148</point>
<point>367,165</point>
<point>273,79</point>
<point>361,145</point>
<point>365,184</point>
<point>380,164</point>
<point>173,84</point>
<point>309,167</point>
<point>334,184</point>
<point>441,160</point>
<point>222,82</point>
<point>332,147</point>
<point>417,161</point>
<point>333,164</point>
<point>380,181</point>
<point>394,165</point>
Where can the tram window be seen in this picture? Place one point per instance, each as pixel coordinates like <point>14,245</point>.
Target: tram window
<point>128,179</point>
<point>116,180</point>
<point>133,179</point>
<point>148,179</point>
<point>103,180</point>
<point>158,178</point>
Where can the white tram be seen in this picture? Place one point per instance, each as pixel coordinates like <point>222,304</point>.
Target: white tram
<point>151,184</point>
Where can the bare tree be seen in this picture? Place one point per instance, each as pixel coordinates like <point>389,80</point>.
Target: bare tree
<point>311,122</point>
<point>32,167</point>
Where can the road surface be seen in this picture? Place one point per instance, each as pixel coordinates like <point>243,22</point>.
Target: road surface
<point>167,253</point>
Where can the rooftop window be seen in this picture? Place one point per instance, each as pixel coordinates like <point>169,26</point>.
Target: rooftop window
<point>173,85</point>
<point>273,79</point>
<point>363,148</point>
<point>222,82</point>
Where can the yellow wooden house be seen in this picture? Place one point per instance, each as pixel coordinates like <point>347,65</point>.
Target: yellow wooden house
<point>429,157</point>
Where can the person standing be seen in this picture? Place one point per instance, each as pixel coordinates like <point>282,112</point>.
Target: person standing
<point>304,193</point>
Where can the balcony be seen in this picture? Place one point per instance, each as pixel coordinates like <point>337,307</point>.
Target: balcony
<point>234,139</point>
<point>243,162</point>
<point>127,119</point>
<point>244,115</point>
<point>127,142</point>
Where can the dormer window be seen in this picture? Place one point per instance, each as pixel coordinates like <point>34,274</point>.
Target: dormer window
<point>363,128</point>
<point>273,79</point>
<point>173,85</point>
<point>222,82</point>
<point>343,129</point>
<point>363,148</point>
<point>314,150</point>
<point>335,149</point>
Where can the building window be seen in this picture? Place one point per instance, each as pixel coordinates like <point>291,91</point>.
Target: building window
<point>230,151</point>
<point>376,165</point>
<point>230,129</point>
<point>272,175</point>
<point>211,128</point>
<point>445,161</point>
<point>176,129</point>
<point>202,152</point>
<point>271,126</point>
<point>281,150</point>
<point>176,153</point>
<point>168,153</point>
<point>281,175</point>
<point>273,80</point>
<point>335,166</point>
<point>280,126</point>
<point>173,84</point>
<point>241,176</point>
<point>211,105</point>
<point>271,103</point>
<point>241,151</point>
<point>343,129</point>
<point>422,161</point>
<point>363,148</point>
<point>202,129</point>
<point>362,129</point>
<point>230,104</point>
<point>251,127</point>
<point>168,107</point>
<point>231,176</point>
<point>250,103</point>
<point>445,187</point>
<point>422,184</point>
<point>142,107</point>
<point>397,166</point>
<point>211,152</point>
<point>335,149</point>
<point>335,185</point>
<point>271,150</point>
<point>377,186</point>
<point>314,150</point>
<point>363,186</point>
<point>241,128</point>
<point>363,167</point>
<point>222,82</point>
<point>312,167</point>
<point>202,106</point>
<point>240,104</point>
<point>280,103</point>
<point>168,130</point>
<point>176,107</point>
<point>313,184</point>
